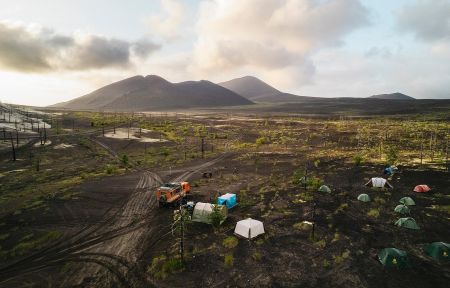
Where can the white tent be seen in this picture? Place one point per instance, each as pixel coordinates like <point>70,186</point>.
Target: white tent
<point>202,212</point>
<point>378,182</point>
<point>249,228</point>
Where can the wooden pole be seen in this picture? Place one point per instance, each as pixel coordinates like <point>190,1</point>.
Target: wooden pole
<point>12,146</point>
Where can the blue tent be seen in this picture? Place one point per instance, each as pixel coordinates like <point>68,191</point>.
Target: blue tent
<point>228,199</point>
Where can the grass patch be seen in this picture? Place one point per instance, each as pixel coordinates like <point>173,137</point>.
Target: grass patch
<point>161,267</point>
<point>338,259</point>
<point>256,256</point>
<point>228,260</point>
<point>374,213</point>
<point>230,242</point>
<point>29,244</point>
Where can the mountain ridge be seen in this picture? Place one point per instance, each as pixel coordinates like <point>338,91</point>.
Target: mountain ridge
<point>153,92</point>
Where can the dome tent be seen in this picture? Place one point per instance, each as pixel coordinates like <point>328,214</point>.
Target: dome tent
<point>402,209</point>
<point>407,222</point>
<point>364,198</point>
<point>439,251</point>
<point>324,189</point>
<point>202,212</point>
<point>421,188</point>
<point>392,257</point>
<point>228,200</point>
<point>408,201</point>
<point>249,228</point>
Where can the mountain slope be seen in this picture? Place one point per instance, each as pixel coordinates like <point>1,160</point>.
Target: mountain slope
<point>153,92</point>
<point>250,87</point>
<point>393,96</point>
<point>254,89</point>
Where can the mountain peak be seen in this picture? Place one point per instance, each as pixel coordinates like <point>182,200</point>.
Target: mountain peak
<point>250,87</point>
<point>152,92</point>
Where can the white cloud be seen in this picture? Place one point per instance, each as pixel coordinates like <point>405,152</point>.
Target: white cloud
<point>428,20</point>
<point>168,25</point>
<point>274,37</point>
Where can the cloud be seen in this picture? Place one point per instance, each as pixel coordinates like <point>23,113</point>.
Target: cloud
<point>168,26</point>
<point>31,48</point>
<point>281,34</point>
<point>427,20</point>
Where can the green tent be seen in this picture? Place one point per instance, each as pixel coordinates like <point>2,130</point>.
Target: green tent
<point>392,257</point>
<point>324,189</point>
<point>407,222</point>
<point>402,209</point>
<point>203,211</point>
<point>407,201</point>
<point>364,198</point>
<point>440,251</point>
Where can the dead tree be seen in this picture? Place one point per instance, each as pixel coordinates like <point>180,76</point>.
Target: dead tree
<point>12,146</point>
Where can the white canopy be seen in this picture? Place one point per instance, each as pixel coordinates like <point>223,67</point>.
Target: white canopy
<point>378,182</point>
<point>227,196</point>
<point>249,228</point>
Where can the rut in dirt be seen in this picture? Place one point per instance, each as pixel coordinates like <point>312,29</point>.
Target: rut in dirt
<point>110,247</point>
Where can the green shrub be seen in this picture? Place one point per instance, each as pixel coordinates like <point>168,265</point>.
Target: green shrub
<point>391,155</point>
<point>256,256</point>
<point>358,159</point>
<point>216,216</point>
<point>228,260</point>
<point>374,213</point>
<point>230,242</point>
<point>338,259</point>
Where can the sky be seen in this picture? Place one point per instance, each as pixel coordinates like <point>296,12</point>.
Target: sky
<point>55,50</point>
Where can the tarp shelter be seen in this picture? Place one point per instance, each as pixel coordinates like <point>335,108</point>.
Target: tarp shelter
<point>228,200</point>
<point>364,198</point>
<point>439,251</point>
<point>402,209</point>
<point>407,222</point>
<point>408,201</point>
<point>379,182</point>
<point>249,228</point>
<point>202,212</point>
<point>390,170</point>
<point>324,189</point>
<point>422,188</point>
<point>392,257</point>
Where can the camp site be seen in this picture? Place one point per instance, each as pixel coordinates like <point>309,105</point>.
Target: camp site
<point>225,144</point>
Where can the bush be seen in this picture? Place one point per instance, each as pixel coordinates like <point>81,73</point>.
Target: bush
<point>391,155</point>
<point>256,256</point>
<point>228,260</point>
<point>125,159</point>
<point>374,213</point>
<point>230,242</point>
<point>216,216</point>
<point>358,159</point>
<point>161,266</point>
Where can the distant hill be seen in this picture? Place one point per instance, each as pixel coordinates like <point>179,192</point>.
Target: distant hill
<point>393,96</point>
<point>152,92</point>
<point>254,89</point>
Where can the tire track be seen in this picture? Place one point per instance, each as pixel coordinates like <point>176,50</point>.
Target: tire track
<point>113,244</point>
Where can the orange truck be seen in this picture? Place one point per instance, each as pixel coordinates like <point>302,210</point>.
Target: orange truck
<point>171,194</point>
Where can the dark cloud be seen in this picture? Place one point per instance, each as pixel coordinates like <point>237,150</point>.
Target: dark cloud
<point>31,49</point>
<point>428,20</point>
<point>99,52</point>
<point>143,48</point>
<point>20,50</point>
